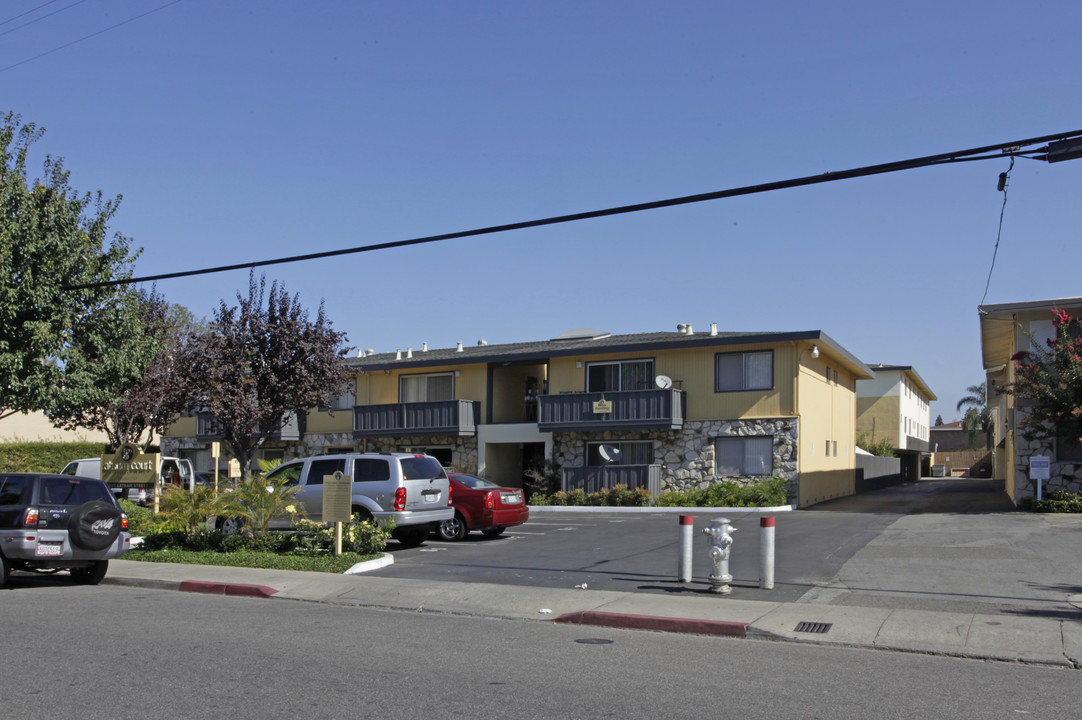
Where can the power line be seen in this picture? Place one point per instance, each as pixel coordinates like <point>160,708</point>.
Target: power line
<point>1003,178</point>
<point>27,12</point>
<point>36,20</point>
<point>87,37</point>
<point>982,153</point>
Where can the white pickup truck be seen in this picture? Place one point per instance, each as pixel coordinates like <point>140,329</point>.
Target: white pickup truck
<point>171,471</point>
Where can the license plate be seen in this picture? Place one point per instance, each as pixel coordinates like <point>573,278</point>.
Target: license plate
<point>430,497</point>
<point>511,498</point>
<point>48,549</point>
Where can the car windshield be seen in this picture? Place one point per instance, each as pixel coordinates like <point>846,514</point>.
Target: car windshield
<point>475,483</point>
<point>65,491</point>
<point>421,467</point>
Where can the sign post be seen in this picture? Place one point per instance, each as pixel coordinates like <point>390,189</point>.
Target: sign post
<point>337,489</point>
<point>1040,467</point>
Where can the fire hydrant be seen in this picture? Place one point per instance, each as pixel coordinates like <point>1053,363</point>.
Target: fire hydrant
<point>720,533</point>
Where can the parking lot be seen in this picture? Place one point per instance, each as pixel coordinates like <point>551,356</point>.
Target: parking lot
<point>640,552</point>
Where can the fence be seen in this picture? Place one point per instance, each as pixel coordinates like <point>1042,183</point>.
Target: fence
<point>874,472</point>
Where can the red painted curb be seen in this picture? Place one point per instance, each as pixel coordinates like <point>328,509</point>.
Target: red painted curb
<point>722,628</point>
<point>236,589</point>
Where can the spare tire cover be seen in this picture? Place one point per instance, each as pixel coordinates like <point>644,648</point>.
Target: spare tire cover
<point>95,525</point>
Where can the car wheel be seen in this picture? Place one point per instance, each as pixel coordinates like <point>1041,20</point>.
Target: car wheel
<point>363,514</point>
<point>411,537</point>
<point>230,525</point>
<point>494,531</point>
<point>94,525</point>
<point>5,571</point>
<point>90,575</point>
<point>454,529</point>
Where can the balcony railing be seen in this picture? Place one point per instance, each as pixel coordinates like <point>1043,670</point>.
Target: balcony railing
<point>634,410</point>
<point>208,427</point>
<point>593,479</point>
<point>444,417</point>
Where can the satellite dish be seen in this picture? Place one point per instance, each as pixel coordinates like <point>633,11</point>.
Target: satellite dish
<point>663,381</point>
<point>609,453</point>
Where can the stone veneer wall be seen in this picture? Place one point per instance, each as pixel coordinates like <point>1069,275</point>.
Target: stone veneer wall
<point>1062,475</point>
<point>687,455</point>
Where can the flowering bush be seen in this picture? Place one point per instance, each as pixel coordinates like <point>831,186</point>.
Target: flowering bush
<point>1049,384</point>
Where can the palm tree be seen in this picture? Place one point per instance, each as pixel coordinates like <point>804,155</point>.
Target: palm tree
<point>978,416</point>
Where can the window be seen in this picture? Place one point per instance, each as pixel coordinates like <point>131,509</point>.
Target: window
<point>426,388</point>
<point>744,371</point>
<point>744,455</point>
<point>346,400</point>
<point>12,489</point>
<point>287,474</point>
<point>620,376</point>
<point>631,453</point>
<point>371,470</point>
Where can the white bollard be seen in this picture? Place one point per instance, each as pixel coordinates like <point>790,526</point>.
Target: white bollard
<point>766,556</point>
<point>687,523</point>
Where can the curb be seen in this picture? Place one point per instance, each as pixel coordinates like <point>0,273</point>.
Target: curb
<point>233,589</point>
<point>722,628</point>
<point>655,509</point>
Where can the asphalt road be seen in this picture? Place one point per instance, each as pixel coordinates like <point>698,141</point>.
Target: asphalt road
<point>120,653</point>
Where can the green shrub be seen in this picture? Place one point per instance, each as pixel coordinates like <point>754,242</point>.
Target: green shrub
<point>45,456</point>
<point>727,493</point>
<point>618,495</point>
<point>1057,501</point>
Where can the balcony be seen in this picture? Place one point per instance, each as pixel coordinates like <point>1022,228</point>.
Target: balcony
<point>208,427</point>
<point>634,410</point>
<point>595,478</point>
<point>445,417</point>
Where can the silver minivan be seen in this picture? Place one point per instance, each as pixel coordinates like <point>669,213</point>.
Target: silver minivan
<point>410,489</point>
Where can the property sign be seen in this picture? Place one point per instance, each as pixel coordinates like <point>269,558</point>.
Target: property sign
<point>337,490</point>
<point>130,467</point>
<point>1040,467</point>
<point>602,407</point>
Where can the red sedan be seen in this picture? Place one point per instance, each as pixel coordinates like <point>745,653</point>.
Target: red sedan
<point>480,505</point>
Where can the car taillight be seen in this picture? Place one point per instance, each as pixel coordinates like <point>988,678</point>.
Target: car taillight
<point>124,522</point>
<point>448,496</point>
<point>31,519</point>
<point>490,499</point>
<point>400,499</point>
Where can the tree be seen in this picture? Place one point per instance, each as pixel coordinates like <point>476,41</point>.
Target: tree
<point>124,375</point>
<point>938,420</point>
<point>52,242</point>
<point>258,365</point>
<point>978,416</point>
<point>1048,384</point>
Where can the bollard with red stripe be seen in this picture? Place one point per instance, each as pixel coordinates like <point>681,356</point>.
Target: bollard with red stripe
<point>687,523</point>
<point>766,554</point>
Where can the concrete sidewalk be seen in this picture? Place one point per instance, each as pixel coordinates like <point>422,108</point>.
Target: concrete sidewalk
<point>1053,641</point>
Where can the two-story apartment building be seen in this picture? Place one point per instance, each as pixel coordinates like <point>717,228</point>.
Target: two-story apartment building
<point>895,405</point>
<point>1005,330</point>
<point>664,410</point>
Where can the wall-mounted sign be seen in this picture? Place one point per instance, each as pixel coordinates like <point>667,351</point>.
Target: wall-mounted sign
<point>602,407</point>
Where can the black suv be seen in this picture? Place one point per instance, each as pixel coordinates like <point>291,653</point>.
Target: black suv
<point>59,522</point>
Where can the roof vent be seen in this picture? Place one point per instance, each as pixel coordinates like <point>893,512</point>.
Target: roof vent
<point>690,331</point>
<point>713,328</point>
<point>424,347</point>
<point>482,343</point>
<point>370,351</point>
<point>360,353</point>
<point>397,354</point>
<point>409,352</point>
<point>682,329</point>
<point>459,348</point>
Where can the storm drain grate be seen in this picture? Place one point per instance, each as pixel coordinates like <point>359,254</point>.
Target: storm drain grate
<point>813,627</point>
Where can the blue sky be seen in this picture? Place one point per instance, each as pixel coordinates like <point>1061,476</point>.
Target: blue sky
<point>246,131</point>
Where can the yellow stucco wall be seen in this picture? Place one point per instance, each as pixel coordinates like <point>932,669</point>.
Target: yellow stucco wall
<point>827,414</point>
<point>878,418</point>
<point>380,388</point>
